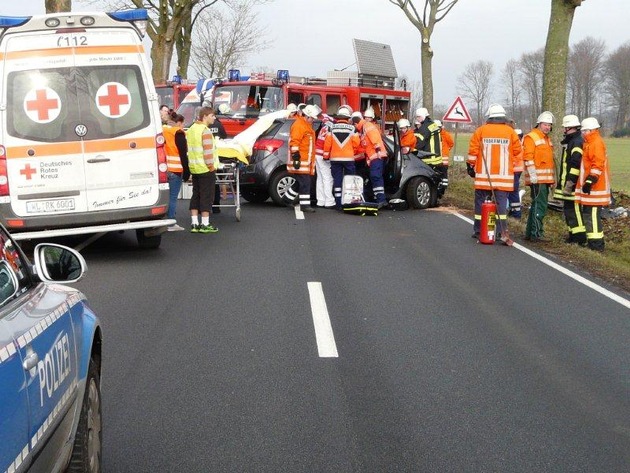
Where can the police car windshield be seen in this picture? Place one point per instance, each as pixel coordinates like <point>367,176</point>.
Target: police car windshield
<point>71,104</point>
<point>248,100</point>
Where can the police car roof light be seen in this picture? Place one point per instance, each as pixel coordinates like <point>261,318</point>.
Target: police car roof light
<point>282,74</point>
<point>11,21</point>
<point>234,75</point>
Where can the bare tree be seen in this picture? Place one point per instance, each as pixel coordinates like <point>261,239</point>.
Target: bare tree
<point>585,74</point>
<point>475,84</point>
<point>510,78</point>
<point>531,68</point>
<point>425,20</point>
<point>617,85</point>
<point>556,57</point>
<point>224,38</point>
<point>58,6</point>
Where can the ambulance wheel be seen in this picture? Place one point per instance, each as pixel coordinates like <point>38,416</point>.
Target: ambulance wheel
<point>281,182</point>
<point>148,242</point>
<point>420,193</point>
<point>86,452</point>
<point>255,196</point>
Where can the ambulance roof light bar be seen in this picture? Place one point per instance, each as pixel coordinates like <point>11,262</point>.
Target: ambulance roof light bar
<point>234,75</point>
<point>11,21</point>
<point>139,17</point>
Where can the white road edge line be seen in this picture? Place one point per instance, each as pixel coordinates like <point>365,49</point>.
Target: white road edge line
<point>596,287</point>
<point>323,329</point>
<point>299,215</point>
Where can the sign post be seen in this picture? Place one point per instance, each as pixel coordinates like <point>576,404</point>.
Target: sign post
<point>457,113</point>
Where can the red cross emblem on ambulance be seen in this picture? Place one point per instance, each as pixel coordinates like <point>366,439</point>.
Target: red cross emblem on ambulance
<point>113,99</point>
<point>42,105</point>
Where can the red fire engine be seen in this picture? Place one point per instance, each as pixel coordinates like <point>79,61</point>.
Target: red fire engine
<point>172,93</point>
<point>259,95</point>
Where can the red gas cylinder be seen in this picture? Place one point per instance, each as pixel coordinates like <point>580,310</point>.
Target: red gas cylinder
<point>488,222</point>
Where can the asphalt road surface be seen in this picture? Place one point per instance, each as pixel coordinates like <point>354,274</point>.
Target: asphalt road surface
<point>340,343</point>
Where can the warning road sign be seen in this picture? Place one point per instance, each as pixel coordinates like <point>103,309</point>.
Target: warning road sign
<point>457,113</point>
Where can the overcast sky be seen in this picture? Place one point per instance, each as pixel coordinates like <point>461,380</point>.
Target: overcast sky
<point>312,37</point>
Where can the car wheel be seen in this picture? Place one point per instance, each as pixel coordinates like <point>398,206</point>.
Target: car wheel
<point>420,193</point>
<point>148,242</point>
<point>86,452</point>
<point>280,183</point>
<point>255,196</point>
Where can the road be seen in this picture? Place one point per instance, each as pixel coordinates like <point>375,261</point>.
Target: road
<point>443,355</point>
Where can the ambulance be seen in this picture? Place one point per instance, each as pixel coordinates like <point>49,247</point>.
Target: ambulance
<point>81,145</point>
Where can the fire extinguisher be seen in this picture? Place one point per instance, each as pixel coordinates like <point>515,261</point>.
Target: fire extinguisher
<point>487,232</point>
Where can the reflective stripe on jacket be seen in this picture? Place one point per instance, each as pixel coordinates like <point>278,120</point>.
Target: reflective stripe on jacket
<point>447,143</point>
<point>538,152</point>
<point>594,163</point>
<point>173,162</point>
<point>491,152</point>
<point>372,141</point>
<point>302,140</point>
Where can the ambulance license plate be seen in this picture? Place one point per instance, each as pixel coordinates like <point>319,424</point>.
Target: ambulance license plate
<point>60,205</point>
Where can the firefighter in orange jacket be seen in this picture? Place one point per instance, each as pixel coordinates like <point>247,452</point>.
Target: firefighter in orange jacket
<point>408,140</point>
<point>593,187</point>
<point>539,173</point>
<point>301,162</point>
<point>491,163</point>
<point>376,155</point>
<point>340,148</point>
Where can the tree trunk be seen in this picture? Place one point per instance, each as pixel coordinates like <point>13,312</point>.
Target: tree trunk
<point>555,68</point>
<point>426,61</point>
<point>183,46</point>
<point>58,6</point>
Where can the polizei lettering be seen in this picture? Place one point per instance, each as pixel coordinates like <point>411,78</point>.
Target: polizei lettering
<point>54,368</point>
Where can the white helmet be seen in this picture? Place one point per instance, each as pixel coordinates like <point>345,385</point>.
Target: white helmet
<point>422,112</point>
<point>495,111</point>
<point>571,121</point>
<point>292,108</point>
<point>344,111</point>
<point>369,113</point>
<point>404,123</point>
<point>518,131</point>
<point>438,123</point>
<point>590,123</point>
<point>357,115</point>
<point>545,117</point>
<point>319,110</point>
<point>310,111</point>
<point>224,109</point>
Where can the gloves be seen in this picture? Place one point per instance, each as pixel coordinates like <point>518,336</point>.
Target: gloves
<point>568,188</point>
<point>470,169</point>
<point>586,187</point>
<point>533,176</point>
<point>296,160</point>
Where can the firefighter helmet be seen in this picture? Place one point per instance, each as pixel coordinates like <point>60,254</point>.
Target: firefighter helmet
<point>545,117</point>
<point>422,112</point>
<point>571,121</point>
<point>369,113</point>
<point>404,123</point>
<point>495,111</point>
<point>292,108</point>
<point>357,115</point>
<point>590,123</point>
<point>310,111</point>
<point>224,109</point>
<point>438,123</point>
<point>344,111</point>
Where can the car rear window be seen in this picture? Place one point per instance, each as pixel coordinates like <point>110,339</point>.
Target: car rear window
<point>49,105</point>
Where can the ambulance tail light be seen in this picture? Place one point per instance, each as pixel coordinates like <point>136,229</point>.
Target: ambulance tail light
<point>161,157</point>
<point>4,176</point>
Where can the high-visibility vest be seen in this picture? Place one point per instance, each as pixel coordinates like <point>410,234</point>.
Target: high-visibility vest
<point>302,141</point>
<point>194,137</point>
<point>173,160</point>
<point>342,143</point>
<point>594,163</point>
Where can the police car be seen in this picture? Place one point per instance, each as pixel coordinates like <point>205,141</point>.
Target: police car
<point>50,363</point>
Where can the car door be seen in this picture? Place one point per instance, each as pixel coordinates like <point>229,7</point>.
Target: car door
<point>38,319</point>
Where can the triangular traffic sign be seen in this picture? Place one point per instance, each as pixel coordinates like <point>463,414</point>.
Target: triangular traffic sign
<point>457,113</point>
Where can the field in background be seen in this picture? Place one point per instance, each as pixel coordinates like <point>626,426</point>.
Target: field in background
<point>618,155</point>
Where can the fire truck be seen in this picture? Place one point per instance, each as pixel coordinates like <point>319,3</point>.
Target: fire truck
<point>261,94</point>
<point>173,92</point>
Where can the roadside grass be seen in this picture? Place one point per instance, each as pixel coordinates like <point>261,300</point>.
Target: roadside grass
<point>612,266</point>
